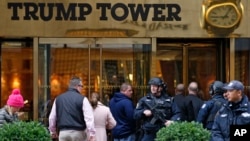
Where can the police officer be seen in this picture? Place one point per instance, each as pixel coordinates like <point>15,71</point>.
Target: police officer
<point>210,108</point>
<point>156,110</point>
<point>235,112</point>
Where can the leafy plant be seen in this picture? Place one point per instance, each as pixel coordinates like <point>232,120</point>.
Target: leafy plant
<point>183,131</point>
<point>24,131</point>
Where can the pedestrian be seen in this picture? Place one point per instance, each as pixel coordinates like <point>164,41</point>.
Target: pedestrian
<point>9,113</point>
<point>156,110</point>
<point>192,102</point>
<point>179,97</point>
<point>72,115</point>
<point>102,116</point>
<point>235,112</point>
<point>122,108</point>
<point>209,109</point>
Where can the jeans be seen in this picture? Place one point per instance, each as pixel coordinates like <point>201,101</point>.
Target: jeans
<point>128,138</point>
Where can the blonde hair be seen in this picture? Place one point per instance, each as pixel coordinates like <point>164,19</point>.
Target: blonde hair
<point>95,97</point>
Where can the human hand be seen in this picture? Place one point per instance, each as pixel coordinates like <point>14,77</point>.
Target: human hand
<point>168,122</point>
<point>53,135</point>
<point>147,113</point>
<point>19,114</point>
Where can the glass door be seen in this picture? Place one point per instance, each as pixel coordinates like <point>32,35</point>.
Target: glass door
<point>124,60</point>
<point>59,60</point>
<point>102,63</point>
<point>186,61</point>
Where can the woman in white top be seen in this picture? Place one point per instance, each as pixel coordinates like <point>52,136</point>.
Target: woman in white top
<point>102,116</point>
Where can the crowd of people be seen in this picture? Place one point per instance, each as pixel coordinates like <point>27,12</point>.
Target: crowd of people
<point>74,117</point>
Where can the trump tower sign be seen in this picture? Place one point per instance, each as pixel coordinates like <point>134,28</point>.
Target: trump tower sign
<point>113,18</point>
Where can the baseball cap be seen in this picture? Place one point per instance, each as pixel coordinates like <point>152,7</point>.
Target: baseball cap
<point>234,85</point>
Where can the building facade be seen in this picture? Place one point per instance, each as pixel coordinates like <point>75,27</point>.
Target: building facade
<point>106,43</point>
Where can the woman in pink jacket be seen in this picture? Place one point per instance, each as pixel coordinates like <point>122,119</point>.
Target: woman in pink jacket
<point>102,117</point>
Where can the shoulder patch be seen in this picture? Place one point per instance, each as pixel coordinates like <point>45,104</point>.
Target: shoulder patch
<point>203,106</point>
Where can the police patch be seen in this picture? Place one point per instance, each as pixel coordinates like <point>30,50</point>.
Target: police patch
<point>203,106</point>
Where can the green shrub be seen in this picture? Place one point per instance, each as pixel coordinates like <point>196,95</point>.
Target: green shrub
<point>24,131</point>
<point>183,131</point>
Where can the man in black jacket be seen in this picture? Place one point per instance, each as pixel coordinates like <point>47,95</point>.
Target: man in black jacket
<point>179,98</point>
<point>192,103</point>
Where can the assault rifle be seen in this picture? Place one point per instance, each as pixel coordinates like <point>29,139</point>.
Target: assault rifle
<point>157,114</point>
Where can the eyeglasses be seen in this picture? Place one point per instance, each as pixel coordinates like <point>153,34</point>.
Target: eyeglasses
<point>80,86</point>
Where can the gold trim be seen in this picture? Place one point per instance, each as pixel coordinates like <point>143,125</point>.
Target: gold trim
<point>35,78</point>
<point>202,16</point>
<point>224,4</point>
<point>101,33</point>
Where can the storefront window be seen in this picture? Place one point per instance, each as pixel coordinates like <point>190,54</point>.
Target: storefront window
<point>17,72</point>
<point>242,63</point>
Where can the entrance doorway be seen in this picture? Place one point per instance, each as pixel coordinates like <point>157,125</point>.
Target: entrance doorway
<point>102,63</point>
<point>41,67</point>
<point>187,60</point>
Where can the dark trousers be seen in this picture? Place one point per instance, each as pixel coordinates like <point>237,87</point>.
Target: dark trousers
<point>149,136</point>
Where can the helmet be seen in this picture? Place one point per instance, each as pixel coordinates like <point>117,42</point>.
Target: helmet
<point>156,81</point>
<point>216,88</point>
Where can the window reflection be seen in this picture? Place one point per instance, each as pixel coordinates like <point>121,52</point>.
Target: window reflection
<point>202,68</point>
<point>183,63</point>
<point>17,72</point>
<point>242,63</point>
<point>102,67</point>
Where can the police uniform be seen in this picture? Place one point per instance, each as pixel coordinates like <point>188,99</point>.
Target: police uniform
<point>230,114</point>
<point>234,112</point>
<point>166,110</point>
<point>211,107</point>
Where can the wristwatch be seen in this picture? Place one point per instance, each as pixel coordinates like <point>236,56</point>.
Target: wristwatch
<point>221,17</point>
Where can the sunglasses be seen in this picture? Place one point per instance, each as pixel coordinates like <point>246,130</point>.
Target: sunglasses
<point>80,86</point>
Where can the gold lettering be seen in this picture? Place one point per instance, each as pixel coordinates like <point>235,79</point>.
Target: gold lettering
<point>101,33</point>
